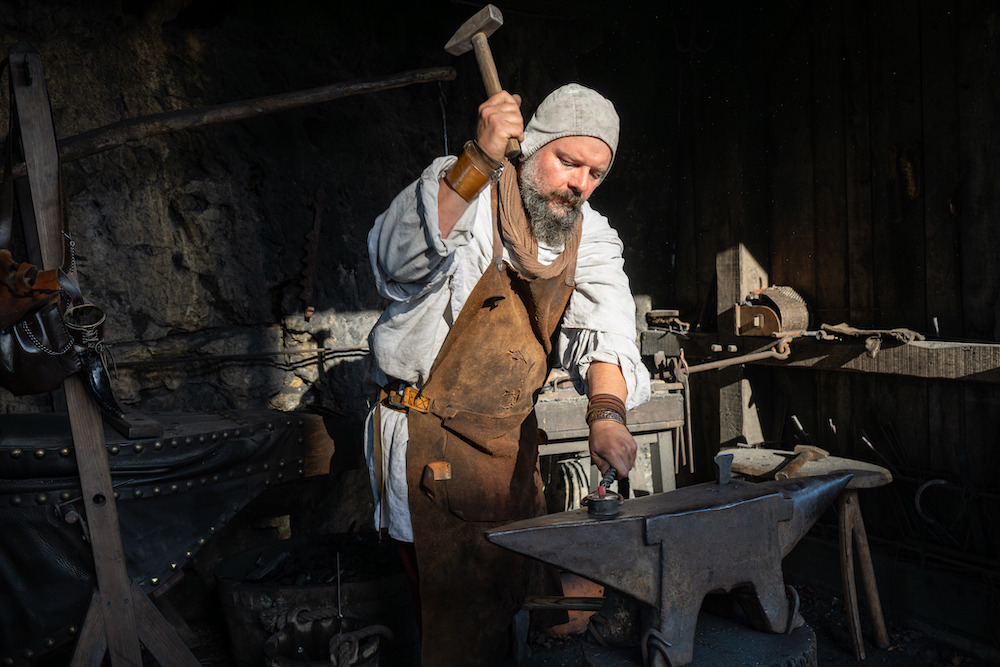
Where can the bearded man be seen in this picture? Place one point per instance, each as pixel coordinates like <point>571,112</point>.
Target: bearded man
<point>494,273</point>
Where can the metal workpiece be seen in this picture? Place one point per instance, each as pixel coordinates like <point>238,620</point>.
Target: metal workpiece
<point>674,548</point>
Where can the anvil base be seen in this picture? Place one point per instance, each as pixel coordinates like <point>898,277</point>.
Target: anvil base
<point>722,642</point>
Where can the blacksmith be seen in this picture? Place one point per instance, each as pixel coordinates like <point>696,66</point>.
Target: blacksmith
<point>494,271</point>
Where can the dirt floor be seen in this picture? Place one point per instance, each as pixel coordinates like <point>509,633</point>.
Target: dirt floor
<point>825,614</point>
<point>822,609</point>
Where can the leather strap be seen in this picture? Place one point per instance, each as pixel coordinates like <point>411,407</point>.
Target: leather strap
<point>377,455</point>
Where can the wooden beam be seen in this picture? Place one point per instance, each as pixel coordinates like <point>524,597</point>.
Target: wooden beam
<point>118,134</point>
<point>937,360</point>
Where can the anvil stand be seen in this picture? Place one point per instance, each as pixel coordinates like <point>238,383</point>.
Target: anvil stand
<point>120,615</point>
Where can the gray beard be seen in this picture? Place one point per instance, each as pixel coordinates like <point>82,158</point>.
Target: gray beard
<point>551,216</point>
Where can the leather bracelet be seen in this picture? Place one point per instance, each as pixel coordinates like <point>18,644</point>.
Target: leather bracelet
<point>602,403</point>
<point>604,413</point>
<point>473,171</point>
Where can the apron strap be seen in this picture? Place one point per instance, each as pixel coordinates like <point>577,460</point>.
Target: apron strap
<point>377,456</point>
<point>497,242</point>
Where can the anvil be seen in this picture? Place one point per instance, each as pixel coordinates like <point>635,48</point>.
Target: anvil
<point>669,550</point>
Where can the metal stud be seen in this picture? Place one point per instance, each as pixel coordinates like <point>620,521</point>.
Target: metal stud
<point>201,541</point>
<point>15,453</point>
<point>248,470</point>
<point>267,466</point>
<point>39,453</point>
<point>189,484</point>
<point>189,554</point>
<point>201,439</point>
<point>173,488</point>
<point>139,447</point>
<point>236,433</point>
<point>203,481</point>
<point>225,435</point>
<point>72,630</point>
<point>15,500</point>
<point>288,422</point>
<point>301,472</point>
<point>302,423</point>
<point>49,642</point>
<point>65,495</point>
<point>41,498</point>
<point>117,495</point>
<point>155,581</point>
<point>114,449</point>
<point>270,426</point>
<point>188,440</point>
<point>211,529</point>
<point>222,519</point>
<point>236,507</point>
<point>28,653</point>
<point>216,478</point>
<point>231,474</point>
<point>173,565</point>
<point>8,662</point>
<point>157,445</point>
<point>175,443</point>
<point>267,482</point>
<point>215,437</point>
<point>281,476</point>
<point>281,463</point>
<point>65,452</point>
<point>156,491</point>
<point>137,493</point>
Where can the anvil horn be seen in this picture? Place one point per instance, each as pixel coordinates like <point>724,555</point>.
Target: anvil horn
<point>674,548</point>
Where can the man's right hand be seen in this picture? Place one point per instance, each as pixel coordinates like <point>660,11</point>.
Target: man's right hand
<point>499,119</point>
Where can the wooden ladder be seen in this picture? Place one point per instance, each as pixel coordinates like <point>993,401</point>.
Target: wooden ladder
<point>120,615</point>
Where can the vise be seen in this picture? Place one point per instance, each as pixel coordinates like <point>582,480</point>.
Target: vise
<point>672,549</point>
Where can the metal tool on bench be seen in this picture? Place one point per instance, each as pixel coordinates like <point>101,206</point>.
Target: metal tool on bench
<point>677,547</point>
<point>803,455</point>
<point>473,35</point>
<point>775,311</point>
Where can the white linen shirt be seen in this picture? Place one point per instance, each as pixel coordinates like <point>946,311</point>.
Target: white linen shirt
<point>428,278</point>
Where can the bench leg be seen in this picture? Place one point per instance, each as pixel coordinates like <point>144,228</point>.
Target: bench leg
<point>868,579</point>
<point>853,538</point>
<point>847,504</point>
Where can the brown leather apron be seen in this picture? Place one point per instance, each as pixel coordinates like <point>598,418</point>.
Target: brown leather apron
<point>481,424</point>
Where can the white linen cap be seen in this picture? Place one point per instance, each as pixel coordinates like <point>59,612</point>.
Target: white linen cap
<point>571,111</point>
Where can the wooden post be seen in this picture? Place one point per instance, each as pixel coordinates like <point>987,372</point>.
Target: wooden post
<point>111,621</point>
<point>737,273</point>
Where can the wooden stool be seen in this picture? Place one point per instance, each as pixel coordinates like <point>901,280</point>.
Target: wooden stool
<point>764,463</point>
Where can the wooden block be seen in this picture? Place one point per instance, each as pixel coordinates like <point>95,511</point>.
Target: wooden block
<point>135,425</point>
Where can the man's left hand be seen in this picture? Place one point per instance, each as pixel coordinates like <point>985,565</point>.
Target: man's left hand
<point>612,446</point>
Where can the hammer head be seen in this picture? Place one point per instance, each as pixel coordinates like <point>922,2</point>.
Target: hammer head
<point>486,21</point>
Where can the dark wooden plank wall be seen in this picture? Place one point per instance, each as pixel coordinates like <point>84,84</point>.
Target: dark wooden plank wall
<point>810,169</point>
<point>856,94</point>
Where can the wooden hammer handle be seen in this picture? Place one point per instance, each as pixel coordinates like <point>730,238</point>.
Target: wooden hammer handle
<point>488,68</point>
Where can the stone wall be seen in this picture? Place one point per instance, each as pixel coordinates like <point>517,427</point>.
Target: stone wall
<point>194,242</point>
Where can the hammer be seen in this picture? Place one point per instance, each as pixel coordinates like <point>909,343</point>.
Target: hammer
<point>803,455</point>
<point>472,35</point>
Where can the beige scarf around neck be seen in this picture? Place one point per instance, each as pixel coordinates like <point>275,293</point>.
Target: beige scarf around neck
<point>516,229</point>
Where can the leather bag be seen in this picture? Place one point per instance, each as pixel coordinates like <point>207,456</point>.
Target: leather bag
<point>36,353</point>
